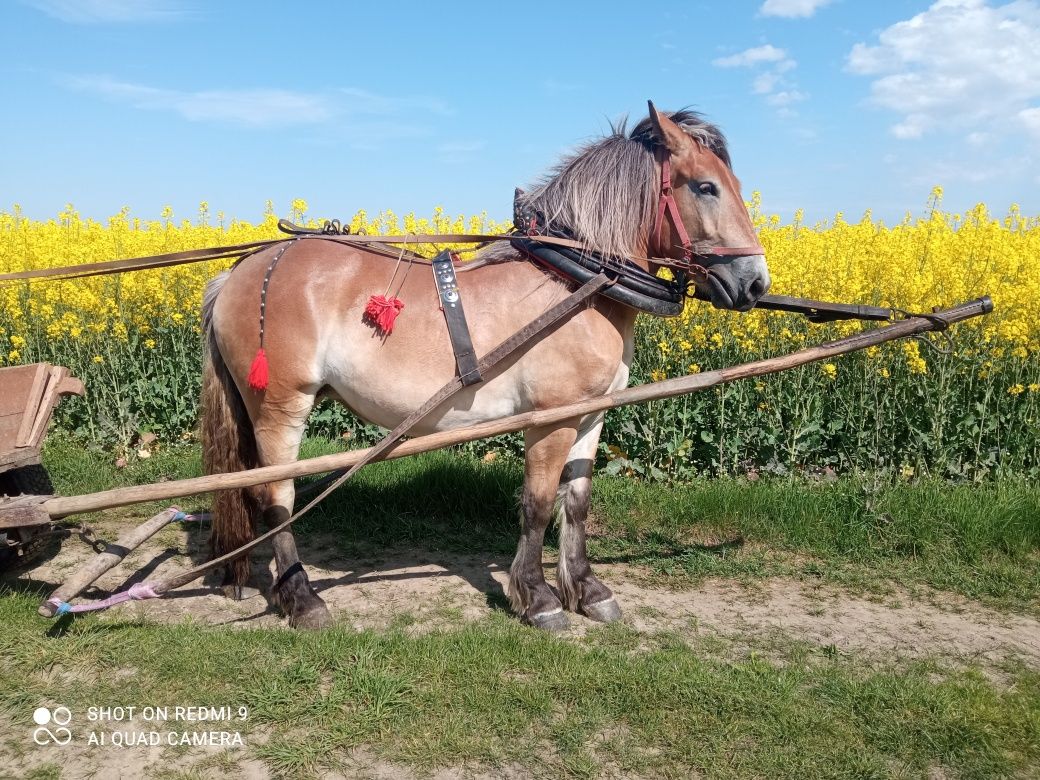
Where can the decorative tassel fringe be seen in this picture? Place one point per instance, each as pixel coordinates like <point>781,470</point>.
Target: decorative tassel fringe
<point>382,312</point>
<point>258,371</point>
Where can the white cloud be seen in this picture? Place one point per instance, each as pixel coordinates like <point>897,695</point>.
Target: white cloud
<point>750,57</point>
<point>109,11</point>
<point>363,101</point>
<point>769,64</point>
<point>792,9</point>
<point>253,107</point>
<point>786,98</point>
<point>765,83</point>
<point>260,107</point>
<point>959,64</point>
<point>1030,117</point>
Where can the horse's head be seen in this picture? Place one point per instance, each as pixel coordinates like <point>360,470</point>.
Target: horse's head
<point>701,216</point>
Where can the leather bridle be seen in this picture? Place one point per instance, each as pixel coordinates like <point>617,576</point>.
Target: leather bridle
<point>667,206</point>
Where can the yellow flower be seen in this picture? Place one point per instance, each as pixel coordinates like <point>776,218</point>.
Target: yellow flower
<point>149,343</point>
<point>1016,389</point>
<point>884,373</point>
<point>1034,387</point>
<point>694,368</point>
<point>98,359</point>
<point>17,341</point>
<point>829,370</point>
<point>14,355</point>
<point>657,376</point>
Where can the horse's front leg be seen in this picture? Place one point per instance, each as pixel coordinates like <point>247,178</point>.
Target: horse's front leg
<point>580,589</point>
<point>530,596</point>
<point>278,436</point>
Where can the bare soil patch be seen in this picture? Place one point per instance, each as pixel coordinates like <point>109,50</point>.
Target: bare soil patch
<point>421,590</point>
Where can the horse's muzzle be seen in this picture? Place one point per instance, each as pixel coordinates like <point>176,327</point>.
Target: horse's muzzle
<point>737,283</point>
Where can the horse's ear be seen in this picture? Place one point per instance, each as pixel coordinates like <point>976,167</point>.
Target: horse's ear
<point>668,133</point>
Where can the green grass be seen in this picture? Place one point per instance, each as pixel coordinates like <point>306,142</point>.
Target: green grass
<point>498,693</point>
<point>980,540</point>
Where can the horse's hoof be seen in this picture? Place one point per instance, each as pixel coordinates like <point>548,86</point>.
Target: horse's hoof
<point>603,612</point>
<point>315,618</point>
<point>240,592</point>
<point>556,620</point>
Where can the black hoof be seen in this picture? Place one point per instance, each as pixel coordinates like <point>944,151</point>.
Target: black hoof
<point>603,612</point>
<point>556,620</point>
<point>313,619</point>
<point>240,592</point>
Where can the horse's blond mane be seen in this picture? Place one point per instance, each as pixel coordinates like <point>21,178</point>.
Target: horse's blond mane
<point>605,194</point>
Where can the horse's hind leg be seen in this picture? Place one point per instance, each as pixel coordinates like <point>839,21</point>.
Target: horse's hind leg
<point>529,595</point>
<point>278,436</point>
<point>580,590</point>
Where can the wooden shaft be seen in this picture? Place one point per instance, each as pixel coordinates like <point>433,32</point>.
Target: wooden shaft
<point>102,562</point>
<point>63,506</point>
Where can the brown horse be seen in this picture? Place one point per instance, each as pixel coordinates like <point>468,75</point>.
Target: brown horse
<point>318,342</point>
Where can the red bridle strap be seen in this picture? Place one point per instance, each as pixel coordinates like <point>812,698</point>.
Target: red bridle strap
<point>666,205</point>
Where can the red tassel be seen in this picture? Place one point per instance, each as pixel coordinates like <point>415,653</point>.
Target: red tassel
<point>258,371</point>
<point>382,312</point>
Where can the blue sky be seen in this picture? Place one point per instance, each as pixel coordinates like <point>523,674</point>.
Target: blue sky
<point>828,104</point>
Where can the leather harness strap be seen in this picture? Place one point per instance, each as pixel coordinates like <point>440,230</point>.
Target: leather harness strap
<point>455,316</point>
<point>142,263</point>
<point>243,250</point>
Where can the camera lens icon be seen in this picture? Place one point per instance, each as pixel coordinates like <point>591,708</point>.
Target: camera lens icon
<point>60,716</point>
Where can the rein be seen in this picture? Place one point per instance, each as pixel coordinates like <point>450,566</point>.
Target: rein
<point>242,251</point>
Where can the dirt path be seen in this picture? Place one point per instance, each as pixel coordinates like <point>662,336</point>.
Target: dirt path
<point>426,590</point>
<point>423,591</point>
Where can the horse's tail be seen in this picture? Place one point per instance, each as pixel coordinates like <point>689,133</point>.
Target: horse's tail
<point>228,445</point>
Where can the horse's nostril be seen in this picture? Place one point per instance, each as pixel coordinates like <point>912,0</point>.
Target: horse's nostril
<point>758,288</point>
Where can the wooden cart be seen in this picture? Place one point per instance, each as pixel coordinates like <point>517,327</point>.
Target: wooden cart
<point>28,395</point>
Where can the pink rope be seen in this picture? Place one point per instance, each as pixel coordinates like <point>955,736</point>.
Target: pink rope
<point>138,592</point>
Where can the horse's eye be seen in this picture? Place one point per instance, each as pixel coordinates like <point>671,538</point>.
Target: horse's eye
<point>708,188</point>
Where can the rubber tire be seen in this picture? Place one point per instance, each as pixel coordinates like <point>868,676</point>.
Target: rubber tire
<point>31,480</point>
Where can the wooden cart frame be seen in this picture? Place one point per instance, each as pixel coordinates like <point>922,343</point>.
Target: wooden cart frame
<point>28,395</point>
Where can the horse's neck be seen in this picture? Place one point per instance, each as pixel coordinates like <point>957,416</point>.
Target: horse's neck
<point>622,317</point>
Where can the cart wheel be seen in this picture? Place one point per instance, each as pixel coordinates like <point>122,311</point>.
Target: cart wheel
<point>33,545</point>
<point>8,554</point>
<point>31,480</point>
